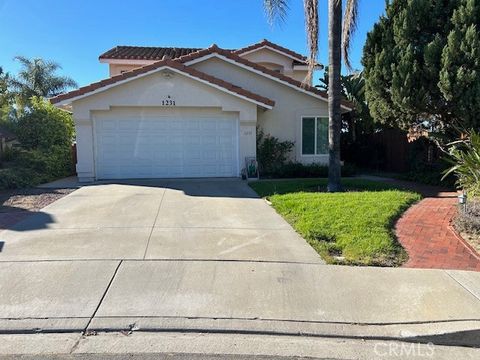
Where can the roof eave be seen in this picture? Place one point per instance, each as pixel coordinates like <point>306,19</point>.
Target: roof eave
<point>264,102</point>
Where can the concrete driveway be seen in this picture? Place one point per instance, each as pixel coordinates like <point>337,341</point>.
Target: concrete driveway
<point>208,256</point>
<point>177,219</point>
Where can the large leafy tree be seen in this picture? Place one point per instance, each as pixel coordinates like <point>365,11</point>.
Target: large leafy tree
<point>5,95</point>
<point>37,77</point>
<point>339,38</point>
<point>421,65</point>
<point>460,65</point>
<point>358,121</point>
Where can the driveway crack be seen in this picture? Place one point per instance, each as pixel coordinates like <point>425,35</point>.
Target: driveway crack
<point>103,296</point>
<point>154,223</point>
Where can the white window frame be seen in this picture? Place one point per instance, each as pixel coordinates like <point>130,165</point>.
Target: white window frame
<point>316,117</point>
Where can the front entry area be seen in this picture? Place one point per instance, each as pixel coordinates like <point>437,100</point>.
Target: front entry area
<point>165,143</point>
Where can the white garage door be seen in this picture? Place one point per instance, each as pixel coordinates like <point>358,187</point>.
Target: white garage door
<point>166,147</point>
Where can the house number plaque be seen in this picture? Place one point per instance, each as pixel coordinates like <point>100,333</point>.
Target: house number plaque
<point>168,101</point>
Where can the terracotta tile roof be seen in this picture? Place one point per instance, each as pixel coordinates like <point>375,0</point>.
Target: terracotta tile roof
<point>233,56</point>
<point>158,53</point>
<point>146,52</point>
<point>265,42</point>
<point>168,63</point>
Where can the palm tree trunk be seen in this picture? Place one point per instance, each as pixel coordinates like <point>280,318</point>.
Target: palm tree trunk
<point>334,94</point>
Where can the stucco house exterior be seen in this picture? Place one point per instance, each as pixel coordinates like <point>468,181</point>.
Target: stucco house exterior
<point>187,112</point>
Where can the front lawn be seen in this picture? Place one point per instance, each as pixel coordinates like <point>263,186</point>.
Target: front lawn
<point>353,227</point>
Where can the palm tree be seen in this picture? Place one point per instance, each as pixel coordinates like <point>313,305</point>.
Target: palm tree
<point>37,78</point>
<point>338,39</point>
<point>353,89</point>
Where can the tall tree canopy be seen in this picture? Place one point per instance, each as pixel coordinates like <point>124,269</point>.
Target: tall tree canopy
<point>460,65</point>
<point>38,77</point>
<point>5,95</point>
<point>422,64</point>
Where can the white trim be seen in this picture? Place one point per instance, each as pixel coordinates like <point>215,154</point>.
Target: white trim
<point>315,136</point>
<point>104,88</point>
<point>95,148</point>
<point>128,61</point>
<point>270,48</point>
<point>209,56</point>
<point>237,139</point>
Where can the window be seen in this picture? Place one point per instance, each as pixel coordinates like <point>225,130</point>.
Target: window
<point>314,135</point>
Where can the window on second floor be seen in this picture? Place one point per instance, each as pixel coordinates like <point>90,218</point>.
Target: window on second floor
<point>314,135</point>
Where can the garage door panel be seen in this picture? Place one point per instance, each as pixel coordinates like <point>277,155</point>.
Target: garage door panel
<point>209,125</point>
<point>166,147</point>
<point>109,125</point>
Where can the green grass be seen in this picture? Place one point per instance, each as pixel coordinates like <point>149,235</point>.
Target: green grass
<point>356,224</point>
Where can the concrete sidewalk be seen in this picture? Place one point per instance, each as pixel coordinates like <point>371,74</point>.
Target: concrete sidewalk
<point>206,257</point>
<point>240,297</point>
<point>196,346</point>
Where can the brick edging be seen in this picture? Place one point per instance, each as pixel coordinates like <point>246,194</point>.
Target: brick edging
<point>463,241</point>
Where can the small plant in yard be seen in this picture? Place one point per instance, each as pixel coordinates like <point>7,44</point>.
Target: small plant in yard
<point>468,220</point>
<point>271,152</point>
<point>467,223</point>
<point>352,227</point>
<point>465,160</point>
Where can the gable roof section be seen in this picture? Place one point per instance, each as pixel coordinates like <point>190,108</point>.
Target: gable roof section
<point>146,52</point>
<point>268,44</point>
<point>159,65</point>
<point>159,52</point>
<point>233,57</point>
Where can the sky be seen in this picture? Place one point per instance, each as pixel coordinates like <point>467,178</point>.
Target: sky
<point>75,33</point>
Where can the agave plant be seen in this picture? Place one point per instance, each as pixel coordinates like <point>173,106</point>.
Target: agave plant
<point>464,155</point>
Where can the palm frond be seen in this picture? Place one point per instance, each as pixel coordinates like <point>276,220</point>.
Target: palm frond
<point>311,25</point>
<point>37,77</point>
<point>349,28</point>
<point>276,10</point>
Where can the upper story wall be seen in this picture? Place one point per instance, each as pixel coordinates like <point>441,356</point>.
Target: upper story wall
<point>264,56</point>
<point>117,69</point>
<point>276,61</point>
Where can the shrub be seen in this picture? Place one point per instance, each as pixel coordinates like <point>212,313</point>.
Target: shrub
<point>429,173</point>
<point>465,161</point>
<point>8,154</point>
<point>299,170</point>
<point>14,178</point>
<point>54,163</point>
<point>271,152</point>
<point>44,126</point>
<point>46,135</point>
<point>468,220</point>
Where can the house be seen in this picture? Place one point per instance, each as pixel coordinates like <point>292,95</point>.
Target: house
<point>7,140</point>
<point>188,112</point>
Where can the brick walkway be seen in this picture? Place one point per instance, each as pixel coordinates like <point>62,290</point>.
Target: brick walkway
<point>425,230</point>
<point>425,233</point>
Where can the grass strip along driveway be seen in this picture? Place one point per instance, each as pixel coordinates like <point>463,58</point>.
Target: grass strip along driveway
<point>352,227</point>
